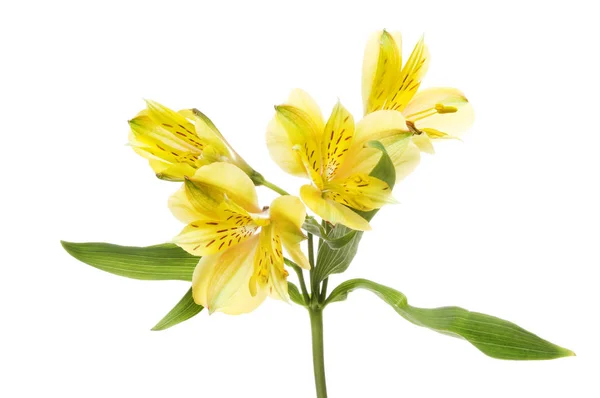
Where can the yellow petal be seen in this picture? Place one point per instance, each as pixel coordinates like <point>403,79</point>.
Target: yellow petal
<point>202,238</point>
<point>232,181</point>
<point>303,134</point>
<point>269,271</point>
<point>173,172</point>
<point>361,192</point>
<point>287,214</point>
<point>220,282</point>
<point>175,123</point>
<point>215,141</point>
<point>410,78</point>
<point>381,69</point>
<point>388,127</point>
<point>443,109</point>
<point>337,140</point>
<point>218,223</point>
<point>331,211</point>
<point>162,149</point>
<point>206,130</point>
<point>297,124</point>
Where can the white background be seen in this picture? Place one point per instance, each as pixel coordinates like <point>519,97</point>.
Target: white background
<point>506,223</point>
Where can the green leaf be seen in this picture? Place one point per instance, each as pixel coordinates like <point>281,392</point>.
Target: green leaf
<point>312,226</point>
<point>335,261</point>
<point>160,262</point>
<point>295,294</point>
<point>183,310</point>
<point>493,336</point>
<point>384,169</point>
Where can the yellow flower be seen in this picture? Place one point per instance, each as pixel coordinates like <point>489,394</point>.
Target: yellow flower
<point>333,156</point>
<point>240,243</point>
<point>178,143</point>
<point>434,113</point>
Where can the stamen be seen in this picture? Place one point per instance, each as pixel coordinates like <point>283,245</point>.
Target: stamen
<point>441,108</point>
<point>438,108</point>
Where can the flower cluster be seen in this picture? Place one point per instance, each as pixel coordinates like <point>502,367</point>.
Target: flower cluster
<point>243,246</point>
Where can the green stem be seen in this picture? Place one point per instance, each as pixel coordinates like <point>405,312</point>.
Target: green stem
<point>300,274</point>
<point>323,291</point>
<point>314,287</point>
<point>273,187</point>
<point>316,325</point>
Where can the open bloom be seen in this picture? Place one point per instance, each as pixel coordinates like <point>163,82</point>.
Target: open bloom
<point>178,143</point>
<point>433,113</point>
<point>333,156</point>
<point>240,243</point>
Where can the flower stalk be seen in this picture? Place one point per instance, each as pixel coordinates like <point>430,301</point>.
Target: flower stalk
<point>316,326</point>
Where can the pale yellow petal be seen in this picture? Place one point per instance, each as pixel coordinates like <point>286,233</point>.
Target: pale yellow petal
<point>220,282</point>
<point>232,181</point>
<point>369,67</point>
<point>278,285</point>
<point>287,214</point>
<point>407,161</point>
<point>181,207</point>
<point>331,211</point>
<point>336,140</point>
<point>443,109</point>
<point>388,127</point>
<point>281,149</point>
<point>360,191</point>
<point>410,78</point>
<point>381,69</point>
<point>423,142</point>
<point>302,100</point>
<point>379,125</point>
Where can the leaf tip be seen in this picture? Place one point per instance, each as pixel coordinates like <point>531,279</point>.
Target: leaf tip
<point>68,246</point>
<point>570,353</point>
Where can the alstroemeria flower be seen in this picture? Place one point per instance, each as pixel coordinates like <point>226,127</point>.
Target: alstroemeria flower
<point>432,113</point>
<point>240,243</point>
<point>333,157</point>
<point>178,143</point>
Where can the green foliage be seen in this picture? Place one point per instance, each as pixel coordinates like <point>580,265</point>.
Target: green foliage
<point>183,310</point>
<point>295,294</point>
<point>493,336</point>
<point>312,226</point>
<point>159,262</point>
<point>337,260</point>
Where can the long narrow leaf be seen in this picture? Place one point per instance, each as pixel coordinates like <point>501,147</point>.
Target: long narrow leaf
<point>183,310</point>
<point>493,336</point>
<point>160,262</point>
